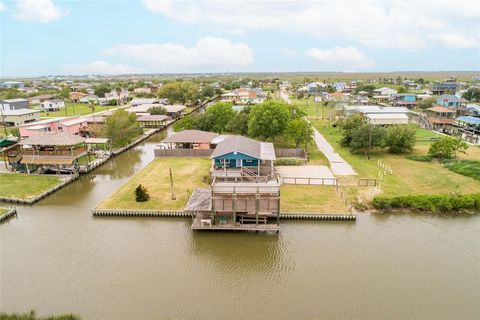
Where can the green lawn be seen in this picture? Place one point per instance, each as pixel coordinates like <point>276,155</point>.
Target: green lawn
<point>187,175</point>
<point>3,211</point>
<point>72,109</point>
<point>409,177</point>
<point>25,186</point>
<point>85,159</point>
<point>304,198</point>
<point>10,131</point>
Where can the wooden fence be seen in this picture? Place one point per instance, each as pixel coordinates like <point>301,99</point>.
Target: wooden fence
<point>198,153</point>
<point>310,181</point>
<point>290,153</point>
<point>366,182</point>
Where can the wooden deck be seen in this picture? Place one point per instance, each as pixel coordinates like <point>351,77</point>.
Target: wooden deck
<point>262,227</point>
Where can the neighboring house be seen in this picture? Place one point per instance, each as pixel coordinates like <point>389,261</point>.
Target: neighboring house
<point>139,101</point>
<point>29,90</point>
<point>40,99</point>
<point>408,100</point>
<point>77,96</point>
<point>453,102</point>
<point>87,98</point>
<point>473,110</point>
<point>190,139</point>
<point>70,125</point>
<point>12,84</point>
<point>54,151</point>
<point>440,117</point>
<point>14,104</point>
<point>175,111</point>
<point>443,88</point>
<point>385,91</point>
<point>142,90</point>
<point>381,115</point>
<point>245,191</point>
<point>19,117</point>
<point>52,105</point>
<point>114,95</point>
<point>314,88</point>
<point>153,120</point>
<point>250,95</point>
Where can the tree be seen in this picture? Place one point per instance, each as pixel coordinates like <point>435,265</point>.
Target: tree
<point>365,87</point>
<point>426,103</point>
<point>299,131</point>
<point>472,94</point>
<point>220,114</point>
<point>157,110</point>
<point>184,92</point>
<point>268,119</point>
<point>400,139</point>
<point>401,89</point>
<point>122,128</point>
<point>101,89</point>
<point>367,137</point>
<point>348,125</point>
<point>239,124</point>
<point>185,123</point>
<point>141,194</point>
<point>447,148</point>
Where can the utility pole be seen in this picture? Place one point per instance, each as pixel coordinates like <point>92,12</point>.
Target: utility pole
<point>174,197</point>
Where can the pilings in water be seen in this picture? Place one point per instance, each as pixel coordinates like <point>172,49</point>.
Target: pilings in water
<point>8,215</point>
<point>318,216</point>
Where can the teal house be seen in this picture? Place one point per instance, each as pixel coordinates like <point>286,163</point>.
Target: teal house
<point>237,152</point>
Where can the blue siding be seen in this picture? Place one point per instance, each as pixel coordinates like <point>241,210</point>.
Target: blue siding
<point>247,161</point>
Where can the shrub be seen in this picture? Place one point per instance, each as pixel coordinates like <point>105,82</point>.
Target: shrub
<point>423,158</point>
<point>400,139</point>
<point>288,162</point>
<point>141,194</point>
<point>432,203</point>
<point>469,168</point>
<point>447,148</point>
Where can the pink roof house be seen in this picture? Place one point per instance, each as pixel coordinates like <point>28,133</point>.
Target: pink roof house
<point>71,125</point>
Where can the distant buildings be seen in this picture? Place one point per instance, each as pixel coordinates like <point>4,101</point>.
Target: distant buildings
<point>12,84</point>
<point>245,96</point>
<point>443,88</point>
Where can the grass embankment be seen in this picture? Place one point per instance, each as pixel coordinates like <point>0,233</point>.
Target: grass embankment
<point>187,173</point>
<point>304,198</point>
<point>24,186</point>
<point>469,168</point>
<point>3,211</point>
<point>73,109</point>
<point>409,177</point>
<point>32,316</point>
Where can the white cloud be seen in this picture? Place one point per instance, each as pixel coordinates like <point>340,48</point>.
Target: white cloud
<point>288,52</point>
<point>406,24</point>
<point>209,53</point>
<point>100,67</point>
<point>343,57</point>
<point>44,11</point>
<point>3,7</point>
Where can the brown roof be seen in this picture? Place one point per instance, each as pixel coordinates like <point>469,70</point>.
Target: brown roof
<point>52,160</point>
<point>441,109</point>
<point>53,139</point>
<point>152,117</point>
<point>191,136</point>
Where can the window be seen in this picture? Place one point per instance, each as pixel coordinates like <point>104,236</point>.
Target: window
<point>249,161</point>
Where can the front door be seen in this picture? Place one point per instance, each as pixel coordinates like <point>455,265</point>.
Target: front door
<point>239,163</point>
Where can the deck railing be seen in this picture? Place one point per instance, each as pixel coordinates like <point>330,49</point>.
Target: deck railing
<point>64,153</point>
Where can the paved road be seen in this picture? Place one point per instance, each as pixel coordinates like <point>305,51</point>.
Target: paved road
<point>338,166</point>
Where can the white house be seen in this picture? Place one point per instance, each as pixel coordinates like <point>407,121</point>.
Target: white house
<point>385,91</point>
<point>52,105</point>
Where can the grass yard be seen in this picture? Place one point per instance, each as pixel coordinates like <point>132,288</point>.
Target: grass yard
<point>304,198</point>
<point>409,177</point>
<point>188,174</point>
<point>25,186</point>
<point>84,159</point>
<point>10,131</point>
<point>73,109</point>
<point>3,211</point>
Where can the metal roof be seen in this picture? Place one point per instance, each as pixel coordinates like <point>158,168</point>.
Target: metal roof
<point>191,136</point>
<point>247,146</point>
<point>469,120</point>
<point>53,139</point>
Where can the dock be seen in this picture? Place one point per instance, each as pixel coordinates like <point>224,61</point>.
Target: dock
<point>251,227</point>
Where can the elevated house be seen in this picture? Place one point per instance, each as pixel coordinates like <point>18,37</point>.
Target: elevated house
<point>408,100</point>
<point>190,139</point>
<point>14,104</point>
<point>452,102</point>
<point>18,117</point>
<point>76,96</point>
<point>245,190</point>
<point>70,125</point>
<point>440,117</point>
<point>175,111</point>
<point>52,151</point>
<point>52,105</point>
<point>444,88</point>
<point>153,120</point>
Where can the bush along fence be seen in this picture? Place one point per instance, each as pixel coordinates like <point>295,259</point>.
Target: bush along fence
<point>430,203</point>
<point>8,215</point>
<point>183,214</point>
<point>39,197</point>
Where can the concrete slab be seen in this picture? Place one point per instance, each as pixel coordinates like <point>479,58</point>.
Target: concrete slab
<point>305,175</point>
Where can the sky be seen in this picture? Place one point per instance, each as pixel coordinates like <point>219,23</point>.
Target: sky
<point>47,37</point>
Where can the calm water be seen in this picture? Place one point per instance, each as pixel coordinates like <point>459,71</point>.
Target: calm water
<point>55,257</point>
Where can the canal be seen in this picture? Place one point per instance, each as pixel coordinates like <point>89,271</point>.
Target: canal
<point>55,258</point>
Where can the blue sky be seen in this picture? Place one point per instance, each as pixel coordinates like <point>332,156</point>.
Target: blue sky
<point>42,37</point>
